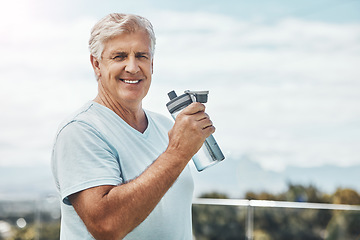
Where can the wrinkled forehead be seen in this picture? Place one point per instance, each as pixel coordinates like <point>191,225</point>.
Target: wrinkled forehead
<point>138,41</point>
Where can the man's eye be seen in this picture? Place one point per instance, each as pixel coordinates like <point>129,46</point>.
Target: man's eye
<point>118,57</point>
<point>143,56</point>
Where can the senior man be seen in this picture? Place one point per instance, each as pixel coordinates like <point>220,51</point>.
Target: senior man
<point>122,171</point>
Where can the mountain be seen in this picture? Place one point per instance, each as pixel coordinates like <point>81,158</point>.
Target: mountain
<point>233,177</point>
<point>28,182</point>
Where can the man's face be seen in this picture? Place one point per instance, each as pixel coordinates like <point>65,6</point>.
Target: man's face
<point>126,67</point>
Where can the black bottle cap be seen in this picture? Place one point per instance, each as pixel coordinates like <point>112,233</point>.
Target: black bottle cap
<point>172,95</point>
<point>202,98</point>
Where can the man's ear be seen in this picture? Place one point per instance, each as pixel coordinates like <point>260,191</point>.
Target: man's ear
<point>96,66</point>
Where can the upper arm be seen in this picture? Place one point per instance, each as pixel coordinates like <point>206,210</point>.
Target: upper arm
<point>91,206</point>
<point>87,200</point>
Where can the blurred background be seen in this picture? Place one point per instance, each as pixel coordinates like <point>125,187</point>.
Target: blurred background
<point>283,78</point>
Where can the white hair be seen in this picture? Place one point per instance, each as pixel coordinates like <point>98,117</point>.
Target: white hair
<point>115,24</point>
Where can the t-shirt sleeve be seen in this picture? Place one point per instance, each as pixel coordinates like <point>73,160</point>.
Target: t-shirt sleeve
<point>83,159</point>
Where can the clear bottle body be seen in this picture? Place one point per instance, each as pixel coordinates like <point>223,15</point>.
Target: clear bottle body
<point>209,153</point>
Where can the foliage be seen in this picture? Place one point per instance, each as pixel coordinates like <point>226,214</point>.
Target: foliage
<point>45,231</point>
<point>50,231</point>
<point>295,193</point>
<point>228,222</point>
<point>346,196</point>
<point>27,233</point>
<point>218,222</point>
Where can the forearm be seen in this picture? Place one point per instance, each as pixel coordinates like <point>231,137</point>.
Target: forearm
<point>141,195</point>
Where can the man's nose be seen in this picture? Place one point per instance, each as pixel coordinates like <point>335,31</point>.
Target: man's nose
<point>132,65</point>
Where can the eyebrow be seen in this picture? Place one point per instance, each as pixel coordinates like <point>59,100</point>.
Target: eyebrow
<point>125,53</point>
<point>143,53</point>
<point>118,53</point>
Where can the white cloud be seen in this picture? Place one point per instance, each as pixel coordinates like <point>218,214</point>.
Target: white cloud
<point>289,47</point>
<point>45,74</point>
<point>285,93</point>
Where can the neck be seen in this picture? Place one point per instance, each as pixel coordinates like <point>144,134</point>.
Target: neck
<point>132,115</point>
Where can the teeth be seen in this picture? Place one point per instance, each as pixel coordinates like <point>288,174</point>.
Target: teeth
<point>131,81</point>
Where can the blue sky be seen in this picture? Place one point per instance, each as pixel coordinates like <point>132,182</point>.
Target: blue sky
<point>283,76</point>
<point>339,11</point>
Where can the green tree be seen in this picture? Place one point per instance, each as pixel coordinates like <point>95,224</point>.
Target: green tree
<point>346,196</point>
<point>344,224</point>
<point>27,233</point>
<point>50,231</point>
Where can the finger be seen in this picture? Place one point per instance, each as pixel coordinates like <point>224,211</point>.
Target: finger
<point>194,108</point>
<point>201,116</point>
<point>207,124</point>
<point>209,130</point>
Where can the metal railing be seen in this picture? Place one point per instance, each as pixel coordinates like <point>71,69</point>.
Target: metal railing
<point>36,210</point>
<point>251,204</point>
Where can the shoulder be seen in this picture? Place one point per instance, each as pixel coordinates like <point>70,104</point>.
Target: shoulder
<point>84,118</point>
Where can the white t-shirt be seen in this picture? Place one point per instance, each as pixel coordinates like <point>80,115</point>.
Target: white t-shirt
<point>96,147</point>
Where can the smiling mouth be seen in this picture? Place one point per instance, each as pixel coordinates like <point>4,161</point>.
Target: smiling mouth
<point>130,81</point>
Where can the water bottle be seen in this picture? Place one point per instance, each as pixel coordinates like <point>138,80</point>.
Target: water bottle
<point>210,152</point>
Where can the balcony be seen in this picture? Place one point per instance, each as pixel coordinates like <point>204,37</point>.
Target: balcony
<point>212,219</point>
<point>274,220</point>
